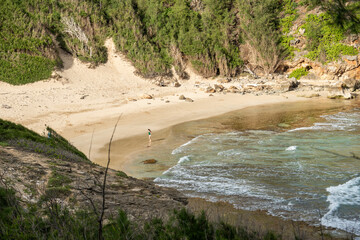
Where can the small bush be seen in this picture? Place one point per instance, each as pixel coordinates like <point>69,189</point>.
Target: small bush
<point>298,73</point>
<point>121,174</point>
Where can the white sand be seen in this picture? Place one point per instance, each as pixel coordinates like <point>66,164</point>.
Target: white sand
<point>58,103</point>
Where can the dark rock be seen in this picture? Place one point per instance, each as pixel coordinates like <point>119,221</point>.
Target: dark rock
<point>182,97</point>
<point>293,84</point>
<point>6,106</point>
<point>150,161</point>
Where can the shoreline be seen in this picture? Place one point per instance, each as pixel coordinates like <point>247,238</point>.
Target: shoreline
<point>126,149</point>
<point>159,119</point>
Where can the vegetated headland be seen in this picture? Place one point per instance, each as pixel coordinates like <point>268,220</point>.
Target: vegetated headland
<point>77,65</point>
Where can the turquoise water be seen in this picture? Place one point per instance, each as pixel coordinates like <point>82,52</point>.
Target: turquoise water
<point>306,173</point>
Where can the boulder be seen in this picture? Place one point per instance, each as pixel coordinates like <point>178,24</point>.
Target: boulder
<point>233,89</point>
<point>150,161</point>
<point>344,94</point>
<point>219,88</point>
<point>189,100</point>
<point>293,83</point>
<point>287,85</point>
<point>352,84</point>
<point>147,96</point>
<point>177,84</point>
<point>210,90</point>
<point>182,97</point>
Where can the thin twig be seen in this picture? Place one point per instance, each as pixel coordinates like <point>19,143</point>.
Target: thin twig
<point>92,136</point>
<point>104,183</point>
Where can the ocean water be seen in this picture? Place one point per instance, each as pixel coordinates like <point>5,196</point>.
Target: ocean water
<point>305,173</point>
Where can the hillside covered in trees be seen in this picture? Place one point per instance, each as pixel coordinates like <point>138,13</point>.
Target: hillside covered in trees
<point>213,37</point>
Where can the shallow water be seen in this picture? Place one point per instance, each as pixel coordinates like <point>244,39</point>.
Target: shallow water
<point>295,164</point>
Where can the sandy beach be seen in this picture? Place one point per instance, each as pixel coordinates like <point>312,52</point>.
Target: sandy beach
<point>83,104</point>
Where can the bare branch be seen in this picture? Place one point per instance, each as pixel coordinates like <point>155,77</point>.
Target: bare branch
<point>104,183</point>
<point>92,136</point>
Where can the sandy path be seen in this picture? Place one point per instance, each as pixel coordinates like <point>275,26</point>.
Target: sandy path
<point>87,100</point>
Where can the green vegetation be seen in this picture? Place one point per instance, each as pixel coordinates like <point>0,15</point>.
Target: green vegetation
<point>324,39</point>
<point>155,35</point>
<point>290,15</point>
<point>30,29</point>
<point>260,26</point>
<point>26,54</point>
<point>298,73</point>
<point>121,174</point>
<point>55,146</point>
<point>214,37</point>
<point>50,221</point>
<point>166,32</point>
<point>57,186</point>
<point>343,13</point>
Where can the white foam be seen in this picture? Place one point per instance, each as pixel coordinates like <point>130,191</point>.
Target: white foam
<point>230,153</point>
<point>343,194</point>
<point>182,147</point>
<point>174,168</point>
<point>184,159</point>
<point>340,121</point>
<point>291,148</point>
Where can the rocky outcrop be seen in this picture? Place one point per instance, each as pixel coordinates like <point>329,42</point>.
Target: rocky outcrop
<point>30,175</point>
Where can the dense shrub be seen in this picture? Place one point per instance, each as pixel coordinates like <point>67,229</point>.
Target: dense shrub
<point>324,39</point>
<point>157,35</point>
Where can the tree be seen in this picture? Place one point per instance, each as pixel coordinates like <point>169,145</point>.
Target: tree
<point>259,23</point>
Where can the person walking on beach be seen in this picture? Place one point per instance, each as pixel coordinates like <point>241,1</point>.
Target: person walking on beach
<point>149,132</point>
